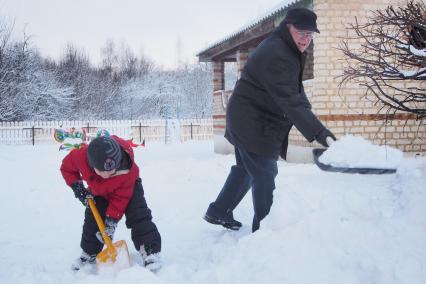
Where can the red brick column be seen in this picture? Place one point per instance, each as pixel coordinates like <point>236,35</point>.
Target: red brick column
<point>218,76</point>
<point>242,56</point>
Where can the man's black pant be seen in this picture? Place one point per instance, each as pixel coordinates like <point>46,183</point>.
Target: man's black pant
<point>138,219</point>
<point>251,171</point>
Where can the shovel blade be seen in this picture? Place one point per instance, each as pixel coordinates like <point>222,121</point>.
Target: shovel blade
<point>329,168</point>
<point>119,250</point>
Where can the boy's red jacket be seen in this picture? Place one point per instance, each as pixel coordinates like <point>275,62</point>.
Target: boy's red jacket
<point>117,189</point>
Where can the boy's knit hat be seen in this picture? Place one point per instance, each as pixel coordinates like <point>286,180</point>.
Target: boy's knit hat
<point>104,154</point>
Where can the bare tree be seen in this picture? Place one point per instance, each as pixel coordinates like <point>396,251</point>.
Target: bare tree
<point>5,34</point>
<point>109,58</point>
<point>391,60</point>
<point>195,85</point>
<point>128,62</point>
<point>123,86</point>
<point>146,65</point>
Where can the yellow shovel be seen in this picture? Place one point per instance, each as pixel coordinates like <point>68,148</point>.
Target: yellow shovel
<point>110,252</point>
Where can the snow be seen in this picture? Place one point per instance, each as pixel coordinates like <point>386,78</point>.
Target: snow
<point>413,73</point>
<point>357,152</point>
<point>418,52</point>
<point>173,131</point>
<point>323,227</point>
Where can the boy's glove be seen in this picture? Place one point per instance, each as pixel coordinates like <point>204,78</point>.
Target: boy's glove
<point>321,137</point>
<point>81,193</point>
<point>110,225</point>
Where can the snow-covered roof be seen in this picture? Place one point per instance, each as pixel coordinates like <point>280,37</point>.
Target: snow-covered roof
<point>274,12</point>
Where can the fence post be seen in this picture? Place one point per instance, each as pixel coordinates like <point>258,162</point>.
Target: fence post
<point>140,130</point>
<point>191,128</point>
<point>33,128</point>
<point>88,127</point>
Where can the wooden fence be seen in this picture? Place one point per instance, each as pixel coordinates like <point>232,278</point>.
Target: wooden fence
<point>39,132</point>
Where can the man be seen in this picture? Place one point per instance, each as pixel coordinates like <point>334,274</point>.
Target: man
<point>268,100</point>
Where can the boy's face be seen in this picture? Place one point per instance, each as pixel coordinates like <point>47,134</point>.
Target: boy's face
<point>105,174</point>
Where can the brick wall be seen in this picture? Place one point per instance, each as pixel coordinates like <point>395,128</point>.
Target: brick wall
<point>348,112</point>
<point>242,56</point>
<point>345,112</point>
<point>308,72</point>
<point>218,76</point>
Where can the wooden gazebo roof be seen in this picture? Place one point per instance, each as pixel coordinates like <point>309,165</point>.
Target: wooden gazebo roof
<point>250,35</point>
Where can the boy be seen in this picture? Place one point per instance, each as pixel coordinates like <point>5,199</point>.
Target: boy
<point>108,167</point>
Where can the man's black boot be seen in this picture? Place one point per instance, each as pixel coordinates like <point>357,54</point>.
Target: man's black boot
<point>226,219</point>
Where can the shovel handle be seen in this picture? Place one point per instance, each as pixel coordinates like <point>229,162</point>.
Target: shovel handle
<point>100,223</point>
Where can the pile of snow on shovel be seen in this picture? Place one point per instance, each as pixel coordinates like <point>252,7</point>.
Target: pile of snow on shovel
<point>357,152</point>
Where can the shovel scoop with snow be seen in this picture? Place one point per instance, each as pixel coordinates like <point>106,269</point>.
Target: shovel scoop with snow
<point>355,155</point>
<point>114,252</point>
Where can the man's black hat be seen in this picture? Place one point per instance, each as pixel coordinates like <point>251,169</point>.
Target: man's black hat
<point>104,154</point>
<point>302,19</point>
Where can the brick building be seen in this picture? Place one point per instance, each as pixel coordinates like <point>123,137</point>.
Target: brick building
<point>344,112</point>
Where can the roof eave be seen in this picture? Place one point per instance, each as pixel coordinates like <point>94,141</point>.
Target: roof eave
<point>221,50</point>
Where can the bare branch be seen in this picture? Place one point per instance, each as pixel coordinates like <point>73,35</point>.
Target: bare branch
<point>392,48</point>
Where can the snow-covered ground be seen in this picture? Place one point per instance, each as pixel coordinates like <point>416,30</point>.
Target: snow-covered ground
<point>323,227</point>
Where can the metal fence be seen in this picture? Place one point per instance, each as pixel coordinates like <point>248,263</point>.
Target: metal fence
<point>167,131</point>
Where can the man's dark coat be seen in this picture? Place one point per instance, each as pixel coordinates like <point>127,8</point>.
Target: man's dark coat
<point>269,99</point>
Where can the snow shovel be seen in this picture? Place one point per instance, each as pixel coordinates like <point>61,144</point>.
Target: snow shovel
<point>109,254</point>
<point>329,168</point>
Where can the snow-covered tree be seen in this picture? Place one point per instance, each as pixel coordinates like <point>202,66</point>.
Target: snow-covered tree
<point>195,85</point>
<point>27,92</point>
<point>123,87</point>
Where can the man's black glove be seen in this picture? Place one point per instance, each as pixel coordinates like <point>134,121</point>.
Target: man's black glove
<point>110,225</point>
<point>321,137</point>
<point>81,193</point>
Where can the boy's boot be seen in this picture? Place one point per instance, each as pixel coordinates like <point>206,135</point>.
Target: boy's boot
<point>83,260</point>
<point>226,219</point>
<point>151,261</point>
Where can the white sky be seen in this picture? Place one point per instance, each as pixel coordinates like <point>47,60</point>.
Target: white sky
<point>153,27</point>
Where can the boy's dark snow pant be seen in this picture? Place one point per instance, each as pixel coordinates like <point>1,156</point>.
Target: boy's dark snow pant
<point>251,170</point>
<point>138,219</point>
